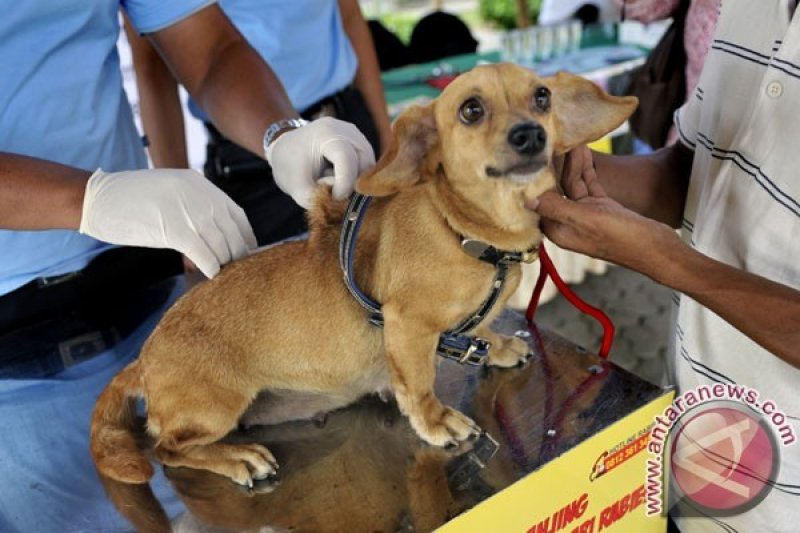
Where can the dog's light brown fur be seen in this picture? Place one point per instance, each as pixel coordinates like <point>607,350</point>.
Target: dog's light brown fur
<point>362,471</point>
<point>282,320</point>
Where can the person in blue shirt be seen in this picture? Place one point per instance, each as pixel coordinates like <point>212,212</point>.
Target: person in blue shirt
<point>74,306</point>
<point>321,50</point>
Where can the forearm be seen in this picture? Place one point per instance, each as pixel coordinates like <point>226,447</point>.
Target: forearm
<point>227,78</point>
<point>652,185</point>
<point>765,311</point>
<point>162,119</point>
<point>238,107</point>
<point>37,194</point>
<point>588,221</point>
<point>159,104</point>
<point>368,76</point>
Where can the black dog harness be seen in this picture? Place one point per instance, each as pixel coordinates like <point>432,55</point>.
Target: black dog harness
<point>453,344</point>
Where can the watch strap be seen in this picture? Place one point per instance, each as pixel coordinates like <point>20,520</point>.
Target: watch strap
<point>280,126</point>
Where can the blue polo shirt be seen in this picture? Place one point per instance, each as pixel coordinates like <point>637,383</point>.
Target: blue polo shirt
<point>302,40</point>
<point>61,99</point>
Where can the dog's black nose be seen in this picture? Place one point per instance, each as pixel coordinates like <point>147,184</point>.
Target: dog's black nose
<point>527,138</point>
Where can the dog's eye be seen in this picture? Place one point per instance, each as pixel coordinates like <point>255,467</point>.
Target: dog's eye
<point>541,98</point>
<point>471,111</point>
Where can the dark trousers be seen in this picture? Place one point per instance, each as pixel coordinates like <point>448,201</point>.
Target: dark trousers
<point>247,178</point>
<point>53,323</point>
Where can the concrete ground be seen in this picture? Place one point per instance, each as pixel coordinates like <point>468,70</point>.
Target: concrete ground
<point>639,309</point>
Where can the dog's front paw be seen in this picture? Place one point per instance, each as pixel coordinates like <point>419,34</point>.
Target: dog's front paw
<point>508,352</point>
<point>444,426</point>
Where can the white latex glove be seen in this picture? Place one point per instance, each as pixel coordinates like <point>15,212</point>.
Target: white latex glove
<point>299,157</point>
<point>167,208</point>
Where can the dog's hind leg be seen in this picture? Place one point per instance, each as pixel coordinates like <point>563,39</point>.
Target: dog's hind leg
<point>242,463</point>
<point>191,439</point>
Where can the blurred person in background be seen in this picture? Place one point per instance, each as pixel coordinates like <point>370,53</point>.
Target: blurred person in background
<point>698,32</point>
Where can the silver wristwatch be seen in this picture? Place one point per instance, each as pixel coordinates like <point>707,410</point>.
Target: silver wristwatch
<point>279,126</point>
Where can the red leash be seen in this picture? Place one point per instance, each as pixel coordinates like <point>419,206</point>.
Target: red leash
<point>548,269</point>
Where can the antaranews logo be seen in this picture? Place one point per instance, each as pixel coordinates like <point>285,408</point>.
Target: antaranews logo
<point>724,449</point>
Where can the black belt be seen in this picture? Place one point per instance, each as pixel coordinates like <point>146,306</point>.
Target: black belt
<point>52,323</point>
<point>318,108</point>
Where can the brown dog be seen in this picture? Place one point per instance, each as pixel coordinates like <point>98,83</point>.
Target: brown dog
<point>282,319</point>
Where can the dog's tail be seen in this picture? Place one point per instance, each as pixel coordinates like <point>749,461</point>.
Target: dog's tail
<point>114,445</point>
<point>324,212</point>
<point>117,440</point>
<point>138,504</point>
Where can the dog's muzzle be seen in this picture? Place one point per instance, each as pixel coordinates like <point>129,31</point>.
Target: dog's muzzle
<point>527,138</point>
<point>528,141</point>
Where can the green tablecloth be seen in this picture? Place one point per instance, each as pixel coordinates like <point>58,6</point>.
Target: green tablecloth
<point>408,82</point>
<point>599,51</point>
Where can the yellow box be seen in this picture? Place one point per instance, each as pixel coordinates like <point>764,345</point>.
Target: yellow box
<point>597,486</point>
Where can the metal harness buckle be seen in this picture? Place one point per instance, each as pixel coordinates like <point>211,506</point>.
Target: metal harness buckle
<point>474,355</point>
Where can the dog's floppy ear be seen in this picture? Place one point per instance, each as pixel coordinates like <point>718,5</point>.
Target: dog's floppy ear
<point>584,111</point>
<point>401,165</point>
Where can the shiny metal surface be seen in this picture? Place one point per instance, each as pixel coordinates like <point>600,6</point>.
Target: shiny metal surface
<point>364,469</point>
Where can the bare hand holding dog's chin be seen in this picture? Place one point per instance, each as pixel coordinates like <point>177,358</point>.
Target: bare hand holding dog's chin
<point>578,175</point>
<point>600,227</point>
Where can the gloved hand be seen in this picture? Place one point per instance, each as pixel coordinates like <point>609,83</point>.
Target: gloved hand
<point>298,158</point>
<point>165,208</point>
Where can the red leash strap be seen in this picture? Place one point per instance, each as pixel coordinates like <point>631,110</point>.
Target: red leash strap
<point>548,269</point>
